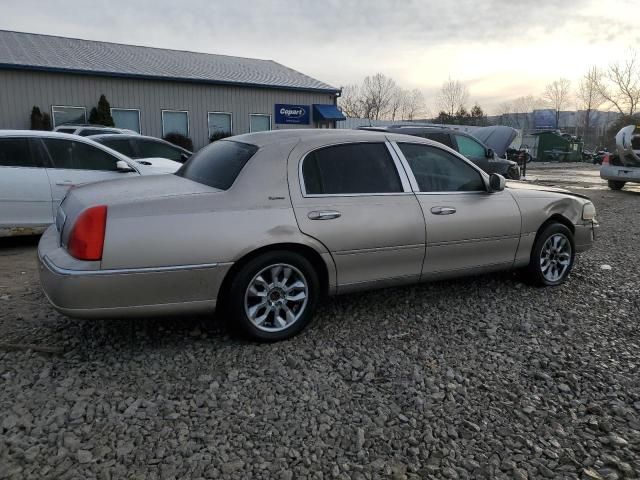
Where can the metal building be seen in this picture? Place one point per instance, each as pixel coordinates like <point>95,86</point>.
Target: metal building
<point>156,91</point>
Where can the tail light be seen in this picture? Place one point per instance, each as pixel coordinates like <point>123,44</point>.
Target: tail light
<point>605,159</point>
<point>87,234</point>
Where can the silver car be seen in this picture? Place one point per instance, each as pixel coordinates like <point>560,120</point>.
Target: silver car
<point>264,224</point>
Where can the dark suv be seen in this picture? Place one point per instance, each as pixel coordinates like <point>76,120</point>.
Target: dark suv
<point>462,142</point>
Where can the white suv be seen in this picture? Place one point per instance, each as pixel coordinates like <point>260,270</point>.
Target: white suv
<point>38,168</point>
<point>88,130</point>
<point>625,166</point>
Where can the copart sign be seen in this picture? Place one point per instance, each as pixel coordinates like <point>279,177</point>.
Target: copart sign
<point>292,114</point>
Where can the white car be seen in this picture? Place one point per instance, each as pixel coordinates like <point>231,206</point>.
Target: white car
<point>88,130</point>
<point>37,168</point>
<point>624,167</point>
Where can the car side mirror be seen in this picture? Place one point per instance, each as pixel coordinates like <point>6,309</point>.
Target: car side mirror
<point>184,157</point>
<point>124,167</point>
<point>496,183</point>
<point>489,153</point>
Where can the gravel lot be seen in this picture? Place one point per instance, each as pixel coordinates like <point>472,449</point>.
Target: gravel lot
<point>476,378</point>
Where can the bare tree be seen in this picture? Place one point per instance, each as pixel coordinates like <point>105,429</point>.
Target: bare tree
<point>398,99</point>
<point>620,84</point>
<point>557,95</point>
<point>453,96</point>
<point>413,105</point>
<point>377,91</point>
<point>589,96</point>
<point>350,101</point>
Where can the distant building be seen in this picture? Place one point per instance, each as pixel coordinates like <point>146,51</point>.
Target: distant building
<point>156,91</point>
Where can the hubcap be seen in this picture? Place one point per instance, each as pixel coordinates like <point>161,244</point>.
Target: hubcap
<point>555,257</point>
<point>276,297</point>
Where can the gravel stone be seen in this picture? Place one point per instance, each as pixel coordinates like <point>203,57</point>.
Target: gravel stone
<point>482,377</point>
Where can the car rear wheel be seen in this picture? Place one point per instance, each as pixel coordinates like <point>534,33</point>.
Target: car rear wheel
<point>552,256</point>
<point>616,184</point>
<point>274,296</point>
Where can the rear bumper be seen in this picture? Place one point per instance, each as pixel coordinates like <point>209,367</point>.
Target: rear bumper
<point>94,293</point>
<point>620,173</point>
<point>585,235</point>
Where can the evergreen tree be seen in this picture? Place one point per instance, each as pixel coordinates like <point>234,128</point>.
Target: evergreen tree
<point>36,118</point>
<point>102,114</point>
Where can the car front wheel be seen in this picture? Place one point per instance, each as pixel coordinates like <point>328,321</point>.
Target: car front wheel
<point>274,296</point>
<point>616,184</point>
<point>552,256</point>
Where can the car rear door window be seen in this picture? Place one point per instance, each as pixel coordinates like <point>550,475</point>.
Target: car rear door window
<point>470,148</point>
<point>151,149</point>
<point>218,164</point>
<point>438,171</point>
<point>121,145</point>
<point>78,155</point>
<point>15,152</point>
<point>439,137</point>
<point>357,168</point>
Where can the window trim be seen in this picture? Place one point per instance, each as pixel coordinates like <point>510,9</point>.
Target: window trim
<point>404,180</point>
<point>130,110</point>
<point>53,116</point>
<point>261,115</point>
<point>174,111</point>
<point>414,183</point>
<point>221,113</point>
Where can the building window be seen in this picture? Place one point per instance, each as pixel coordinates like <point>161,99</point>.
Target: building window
<point>175,121</point>
<point>219,122</point>
<point>62,115</point>
<point>259,122</point>
<point>128,118</point>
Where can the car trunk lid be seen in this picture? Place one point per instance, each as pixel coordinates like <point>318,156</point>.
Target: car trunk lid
<point>126,190</point>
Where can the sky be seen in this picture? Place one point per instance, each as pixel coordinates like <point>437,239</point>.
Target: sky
<point>501,49</point>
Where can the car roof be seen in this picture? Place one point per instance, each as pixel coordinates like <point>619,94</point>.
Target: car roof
<point>416,129</point>
<point>38,134</point>
<point>328,136</point>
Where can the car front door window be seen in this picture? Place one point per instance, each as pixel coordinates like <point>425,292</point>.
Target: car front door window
<point>69,154</point>
<point>438,171</point>
<point>470,148</point>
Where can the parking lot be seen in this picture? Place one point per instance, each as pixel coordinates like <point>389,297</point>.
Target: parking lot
<point>476,378</point>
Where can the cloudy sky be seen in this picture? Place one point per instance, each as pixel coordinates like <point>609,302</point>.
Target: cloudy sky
<point>500,49</point>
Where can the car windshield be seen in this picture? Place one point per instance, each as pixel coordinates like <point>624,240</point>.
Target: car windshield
<point>218,164</point>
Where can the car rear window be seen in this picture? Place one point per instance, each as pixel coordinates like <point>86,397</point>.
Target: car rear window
<point>218,164</point>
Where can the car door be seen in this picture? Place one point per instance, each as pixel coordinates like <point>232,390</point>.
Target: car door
<point>355,198</point>
<point>74,162</point>
<point>25,194</point>
<point>468,228</point>
<point>473,150</point>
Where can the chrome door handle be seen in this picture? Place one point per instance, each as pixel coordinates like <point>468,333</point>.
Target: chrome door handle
<point>323,215</point>
<point>443,210</point>
<point>66,183</point>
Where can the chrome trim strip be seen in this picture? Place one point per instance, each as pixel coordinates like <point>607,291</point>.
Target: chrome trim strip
<point>380,249</point>
<point>124,271</point>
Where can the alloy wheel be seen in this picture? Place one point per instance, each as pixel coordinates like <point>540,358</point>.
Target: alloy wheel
<point>276,297</point>
<point>555,257</point>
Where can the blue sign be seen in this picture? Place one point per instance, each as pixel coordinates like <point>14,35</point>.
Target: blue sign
<point>292,114</point>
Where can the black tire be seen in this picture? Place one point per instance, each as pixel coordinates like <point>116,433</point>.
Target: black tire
<point>534,272</point>
<point>616,184</point>
<point>235,301</point>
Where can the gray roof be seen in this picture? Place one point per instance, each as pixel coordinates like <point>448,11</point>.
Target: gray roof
<point>32,51</point>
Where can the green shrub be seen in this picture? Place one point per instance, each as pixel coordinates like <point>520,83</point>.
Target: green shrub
<point>39,120</point>
<point>179,140</point>
<point>219,136</point>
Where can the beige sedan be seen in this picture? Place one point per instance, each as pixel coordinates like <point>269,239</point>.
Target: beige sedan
<point>263,225</point>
